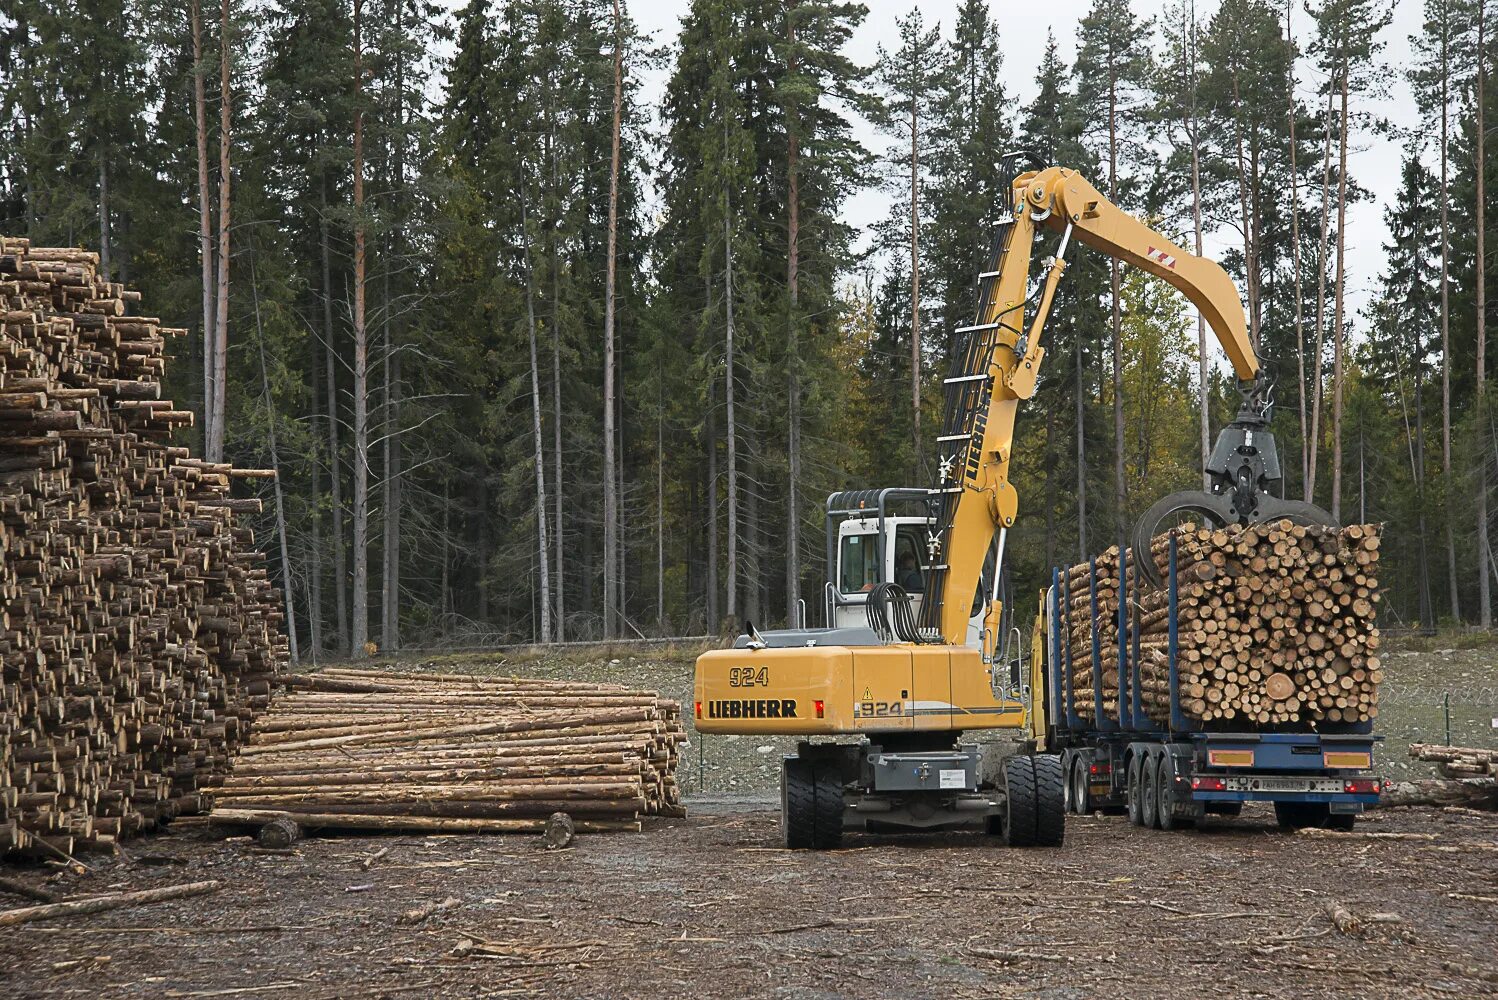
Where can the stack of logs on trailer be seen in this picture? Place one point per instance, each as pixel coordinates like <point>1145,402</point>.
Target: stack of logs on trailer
<point>1275,625</point>
<point>140,630</point>
<point>374,750</point>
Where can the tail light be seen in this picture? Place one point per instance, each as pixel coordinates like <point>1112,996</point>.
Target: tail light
<point>699,710</point>
<point>821,707</point>
<point>1209,784</point>
<point>1361,786</point>
<point>1100,769</point>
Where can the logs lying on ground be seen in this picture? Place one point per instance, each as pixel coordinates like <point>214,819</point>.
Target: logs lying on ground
<point>1458,762</point>
<point>1275,625</point>
<point>365,749</point>
<point>138,626</point>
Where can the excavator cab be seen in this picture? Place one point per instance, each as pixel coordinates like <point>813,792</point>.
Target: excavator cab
<point>877,537</point>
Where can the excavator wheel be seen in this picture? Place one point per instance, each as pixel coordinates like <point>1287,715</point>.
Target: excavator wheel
<point>1034,801</point>
<point>1050,800</point>
<point>811,805</point>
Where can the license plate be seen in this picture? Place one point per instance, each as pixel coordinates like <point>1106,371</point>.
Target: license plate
<point>1271,783</point>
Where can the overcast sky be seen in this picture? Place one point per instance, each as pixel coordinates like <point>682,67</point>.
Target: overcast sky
<point>1375,161</point>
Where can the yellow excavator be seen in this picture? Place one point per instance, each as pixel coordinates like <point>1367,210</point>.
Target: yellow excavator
<point>917,649</point>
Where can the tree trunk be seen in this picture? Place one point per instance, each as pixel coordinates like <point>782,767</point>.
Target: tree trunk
<point>712,509</point>
<point>215,450</point>
<point>205,219</point>
<point>1120,482</point>
<point>610,460</point>
<point>1203,400</point>
<point>103,211</point>
<point>1326,181</point>
<point>1300,336</point>
<point>915,281</point>
<point>543,558</point>
<point>560,565</point>
<point>793,363</point>
<point>1337,333</point>
<point>1082,550</point>
<point>335,457</point>
<point>360,635</point>
<point>731,604</point>
<point>390,576</point>
<point>1484,581</point>
<point>660,502</point>
<point>1446,479</point>
<point>313,557</point>
<point>288,592</point>
<point>1250,249</point>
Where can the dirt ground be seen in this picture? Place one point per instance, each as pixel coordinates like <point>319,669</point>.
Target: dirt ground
<point>711,906</point>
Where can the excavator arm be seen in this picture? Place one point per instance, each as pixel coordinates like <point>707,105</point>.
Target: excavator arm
<point>996,361</point>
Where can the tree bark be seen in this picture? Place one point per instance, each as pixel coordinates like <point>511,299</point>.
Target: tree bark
<point>288,591</point>
<point>215,450</point>
<point>1300,336</point>
<point>731,603</point>
<point>793,371</point>
<point>335,459</point>
<point>1338,334</point>
<point>390,549</point>
<point>1326,181</point>
<point>1202,398</point>
<point>543,558</point>
<point>1484,580</point>
<point>205,218</point>
<point>1082,550</point>
<point>103,210</point>
<point>915,278</point>
<point>1120,481</point>
<point>1446,480</point>
<point>360,634</point>
<point>560,565</point>
<point>610,460</point>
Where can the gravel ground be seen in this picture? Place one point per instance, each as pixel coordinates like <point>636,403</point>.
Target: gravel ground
<point>710,904</point>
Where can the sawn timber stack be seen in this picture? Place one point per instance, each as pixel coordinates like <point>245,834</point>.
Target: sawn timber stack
<point>1275,627</point>
<point>140,630</point>
<point>370,750</point>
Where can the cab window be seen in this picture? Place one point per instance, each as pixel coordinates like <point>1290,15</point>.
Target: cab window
<point>858,568</point>
<point>910,566</point>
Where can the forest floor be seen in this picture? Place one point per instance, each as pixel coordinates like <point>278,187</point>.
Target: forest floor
<point>711,905</point>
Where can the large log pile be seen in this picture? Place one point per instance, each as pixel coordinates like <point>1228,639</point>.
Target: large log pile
<point>1275,625</point>
<point>139,630</point>
<point>1458,762</point>
<point>365,749</point>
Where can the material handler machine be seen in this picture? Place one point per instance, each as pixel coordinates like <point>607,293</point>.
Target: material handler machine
<point>918,650</point>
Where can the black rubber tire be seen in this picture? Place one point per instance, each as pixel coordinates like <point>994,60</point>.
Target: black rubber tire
<point>1070,765</point>
<point>798,804</point>
<point>1341,822</point>
<point>1149,799</point>
<point>1299,815</point>
<point>1136,811</point>
<point>1081,795</point>
<point>1020,805</point>
<point>1050,810</point>
<point>827,789</point>
<point>1165,794</point>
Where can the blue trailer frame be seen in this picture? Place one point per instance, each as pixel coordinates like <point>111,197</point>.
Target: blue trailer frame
<point>1212,768</point>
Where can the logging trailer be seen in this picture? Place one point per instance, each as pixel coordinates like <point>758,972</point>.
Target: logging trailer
<point>918,645</point>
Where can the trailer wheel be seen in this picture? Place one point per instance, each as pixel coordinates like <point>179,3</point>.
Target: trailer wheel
<point>1020,804</point>
<point>1069,764</point>
<point>1170,811</point>
<point>1081,795</point>
<point>828,792</point>
<point>1149,799</point>
<point>1050,811</point>
<point>1136,811</point>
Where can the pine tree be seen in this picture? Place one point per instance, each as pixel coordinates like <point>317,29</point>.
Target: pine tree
<point>1112,71</point>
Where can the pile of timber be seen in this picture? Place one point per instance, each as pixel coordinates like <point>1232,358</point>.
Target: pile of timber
<point>371,750</point>
<point>1275,626</point>
<point>140,631</point>
<point>1458,762</point>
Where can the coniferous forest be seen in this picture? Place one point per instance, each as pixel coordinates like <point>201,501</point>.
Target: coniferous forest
<point>544,351</point>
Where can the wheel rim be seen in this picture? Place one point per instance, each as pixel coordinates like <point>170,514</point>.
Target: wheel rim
<point>1164,796</point>
<point>1147,793</point>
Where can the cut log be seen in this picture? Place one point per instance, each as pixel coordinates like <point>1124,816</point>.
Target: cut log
<point>99,904</point>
